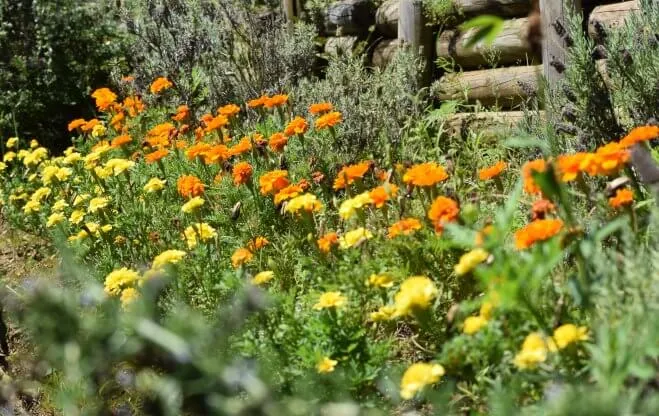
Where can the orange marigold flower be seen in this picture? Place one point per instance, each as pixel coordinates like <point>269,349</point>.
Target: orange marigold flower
<point>127,79</point>
<point>159,135</point>
<point>610,158</point>
<point>541,208</point>
<point>215,123</point>
<point>640,134</point>
<point>228,110</point>
<point>326,242</point>
<point>181,144</point>
<point>104,98</point>
<point>197,150</point>
<point>538,230</point>
<point>78,122</point>
<point>328,120</point>
<point>121,140</point>
<point>538,165</point>
<point>382,194</point>
<point>159,85</point>
<point>296,126</point>
<point>257,102</point>
<point>240,257</point>
<point>443,210</point>
<point>244,145</point>
<point>133,105</point>
<point>405,226</point>
<point>217,153</point>
<point>116,120</point>
<point>273,181</point>
<point>291,191</point>
<point>492,171</point>
<point>569,166</point>
<point>257,243</point>
<point>275,101</point>
<point>242,173</point>
<point>425,174</point>
<point>89,125</point>
<point>156,156</point>
<point>182,113</point>
<point>348,174</point>
<point>622,198</point>
<point>189,186</point>
<point>319,108</point>
<point>277,142</point>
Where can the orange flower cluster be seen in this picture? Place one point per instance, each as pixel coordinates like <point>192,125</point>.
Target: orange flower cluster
<point>380,195</point>
<point>133,105</point>
<point>228,110</point>
<point>257,243</point>
<point>492,171</point>
<point>104,98</point>
<point>405,226</point>
<point>275,101</point>
<point>425,174</point>
<point>77,123</point>
<point>120,141</point>
<point>213,123</point>
<point>116,120</point>
<point>319,108</point>
<point>244,145</point>
<point>273,181</point>
<point>296,126</point>
<point>182,113</point>
<point>291,191</point>
<point>277,142</point>
<point>348,174</point>
<point>328,120</point>
<point>623,197</point>
<point>159,85</point>
<point>257,102</point>
<point>541,208</point>
<point>240,257</point>
<point>640,134</point>
<point>326,242</point>
<point>443,210</point>
<point>156,156</point>
<point>159,135</point>
<point>89,125</point>
<point>539,166</point>
<point>189,186</point>
<point>242,173</point>
<point>538,230</point>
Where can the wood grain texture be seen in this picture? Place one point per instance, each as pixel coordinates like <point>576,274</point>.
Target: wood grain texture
<point>488,123</point>
<point>386,19</point>
<point>383,52</point>
<point>609,16</point>
<point>415,34</point>
<point>341,45</point>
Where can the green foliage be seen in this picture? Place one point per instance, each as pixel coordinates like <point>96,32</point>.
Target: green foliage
<point>53,55</point>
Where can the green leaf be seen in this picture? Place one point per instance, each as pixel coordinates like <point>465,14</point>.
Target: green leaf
<point>487,28</point>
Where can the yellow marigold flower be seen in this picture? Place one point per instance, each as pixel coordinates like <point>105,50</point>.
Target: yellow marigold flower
<point>71,158</point>
<point>354,237</point>
<point>31,206</point>
<point>263,277</point>
<point>470,260</point>
<point>116,281</point>
<point>383,314</point>
<point>76,217</point>
<point>168,257</point>
<point>486,310</point>
<point>417,292</point>
<point>380,280</point>
<point>425,174</point>
<point>330,300</point>
<point>326,365</point>
<point>240,257</point>
<point>9,156</point>
<point>80,199</point>
<point>54,219</point>
<point>102,172</point>
<point>534,351</point>
<point>99,130</point>
<point>202,231</point>
<point>35,157</point>
<point>305,202</point>
<point>473,324</point>
<point>350,206</point>
<point>418,376</point>
<point>41,193</point>
<point>22,154</point>
<point>192,205</point>
<point>3,166</point>
<point>567,334</point>
<point>159,85</point>
<point>128,296</point>
<point>97,204</point>
<point>60,205</point>
<point>81,235</point>
<point>119,166</point>
<point>154,185</point>
<point>11,142</point>
<point>34,144</point>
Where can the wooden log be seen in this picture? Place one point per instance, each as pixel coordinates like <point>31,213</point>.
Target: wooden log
<point>341,45</point>
<point>502,8</point>
<point>383,52</point>
<point>386,18</point>
<point>488,123</point>
<point>288,6</point>
<point>349,17</point>
<point>414,33</point>
<point>609,16</point>
<point>554,13</point>
<point>506,87</point>
<point>509,47</point>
